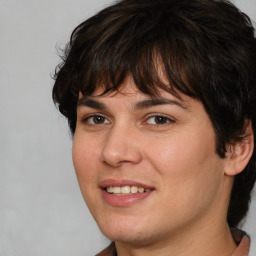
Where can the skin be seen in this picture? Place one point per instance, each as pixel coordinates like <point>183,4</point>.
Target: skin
<point>176,155</point>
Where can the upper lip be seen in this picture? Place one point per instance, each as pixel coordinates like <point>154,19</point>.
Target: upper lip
<point>121,183</point>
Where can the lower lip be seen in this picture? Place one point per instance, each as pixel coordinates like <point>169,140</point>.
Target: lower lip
<point>126,200</point>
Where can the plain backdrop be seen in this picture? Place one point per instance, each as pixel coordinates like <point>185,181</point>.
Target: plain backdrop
<point>41,209</point>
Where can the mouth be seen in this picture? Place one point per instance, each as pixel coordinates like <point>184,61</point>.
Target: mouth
<point>124,192</point>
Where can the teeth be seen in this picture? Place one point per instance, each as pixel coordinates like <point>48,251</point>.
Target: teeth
<point>134,189</point>
<point>126,190</point>
<point>141,190</point>
<point>110,189</point>
<point>116,190</point>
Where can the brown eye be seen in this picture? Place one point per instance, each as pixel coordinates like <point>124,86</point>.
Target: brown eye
<point>159,120</point>
<point>96,119</point>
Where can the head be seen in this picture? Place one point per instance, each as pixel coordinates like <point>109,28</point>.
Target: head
<point>202,50</point>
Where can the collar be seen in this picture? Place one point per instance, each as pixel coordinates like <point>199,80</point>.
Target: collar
<point>243,242</point>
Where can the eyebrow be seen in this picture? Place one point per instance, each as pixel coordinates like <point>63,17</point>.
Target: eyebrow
<point>92,103</point>
<point>158,101</point>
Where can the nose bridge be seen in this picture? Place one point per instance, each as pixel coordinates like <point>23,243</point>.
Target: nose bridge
<point>121,146</point>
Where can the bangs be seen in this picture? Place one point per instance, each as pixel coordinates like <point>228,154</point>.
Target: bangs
<point>151,54</point>
<point>149,73</point>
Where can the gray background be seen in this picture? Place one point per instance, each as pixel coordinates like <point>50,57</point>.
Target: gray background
<point>41,209</point>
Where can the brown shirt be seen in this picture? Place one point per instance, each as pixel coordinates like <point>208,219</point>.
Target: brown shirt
<point>243,242</point>
<point>240,237</point>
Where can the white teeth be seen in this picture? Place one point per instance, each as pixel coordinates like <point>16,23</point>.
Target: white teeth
<point>134,189</point>
<point>110,189</point>
<point>126,190</point>
<point>116,190</point>
<point>141,190</point>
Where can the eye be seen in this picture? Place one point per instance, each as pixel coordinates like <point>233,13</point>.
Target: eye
<point>96,119</point>
<point>159,120</point>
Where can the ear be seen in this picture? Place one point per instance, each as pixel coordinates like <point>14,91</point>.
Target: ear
<point>239,154</point>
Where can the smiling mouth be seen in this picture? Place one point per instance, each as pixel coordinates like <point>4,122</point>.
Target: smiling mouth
<point>124,193</point>
<point>126,190</point>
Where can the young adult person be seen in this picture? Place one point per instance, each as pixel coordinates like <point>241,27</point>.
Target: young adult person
<point>160,96</point>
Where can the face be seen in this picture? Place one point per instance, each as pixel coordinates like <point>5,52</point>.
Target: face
<point>147,167</point>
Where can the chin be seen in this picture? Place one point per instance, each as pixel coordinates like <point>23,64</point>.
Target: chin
<point>127,232</point>
<point>119,228</point>
<point>129,238</point>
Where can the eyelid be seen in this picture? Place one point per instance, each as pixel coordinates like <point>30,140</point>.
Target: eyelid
<point>171,120</point>
<point>85,118</point>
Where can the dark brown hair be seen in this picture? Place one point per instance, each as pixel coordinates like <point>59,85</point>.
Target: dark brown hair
<point>207,50</point>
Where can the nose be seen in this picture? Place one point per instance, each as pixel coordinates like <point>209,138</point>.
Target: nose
<point>121,146</point>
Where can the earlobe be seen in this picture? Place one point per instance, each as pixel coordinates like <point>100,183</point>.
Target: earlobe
<point>239,154</point>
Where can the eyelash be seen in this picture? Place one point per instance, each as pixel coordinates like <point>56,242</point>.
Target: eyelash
<point>164,117</point>
<point>167,120</point>
<point>86,119</point>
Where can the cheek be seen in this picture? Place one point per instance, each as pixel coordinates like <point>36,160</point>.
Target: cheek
<point>85,150</point>
<point>84,154</point>
<point>190,168</point>
<point>184,152</point>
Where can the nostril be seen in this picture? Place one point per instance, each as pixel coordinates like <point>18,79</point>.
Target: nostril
<point>122,155</point>
<point>120,147</point>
